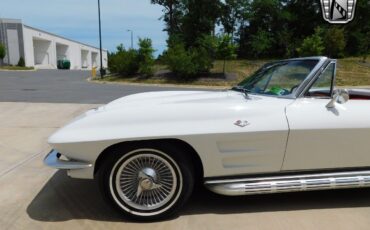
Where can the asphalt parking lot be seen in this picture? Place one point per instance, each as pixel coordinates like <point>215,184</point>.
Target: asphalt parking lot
<point>33,196</point>
<point>60,86</point>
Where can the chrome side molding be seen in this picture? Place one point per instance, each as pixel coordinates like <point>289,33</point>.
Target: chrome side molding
<point>293,183</point>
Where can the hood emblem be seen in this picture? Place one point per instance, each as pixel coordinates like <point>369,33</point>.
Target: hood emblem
<point>241,123</point>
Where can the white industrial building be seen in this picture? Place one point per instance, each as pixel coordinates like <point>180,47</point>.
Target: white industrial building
<point>42,50</point>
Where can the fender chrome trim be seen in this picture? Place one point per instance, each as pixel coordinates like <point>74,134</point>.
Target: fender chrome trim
<point>294,183</point>
<point>53,160</point>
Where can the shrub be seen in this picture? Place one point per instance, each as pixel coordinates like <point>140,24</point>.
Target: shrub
<point>202,60</point>
<point>312,45</point>
<point>188,63</point>
<point>130,62</point>
<point>180,61</point>
<point>2,53</point>
<point>335,42</point>
<point>205,54</point>
<point>146,57</point>
<point>21,62</point>
<point>124,62</point>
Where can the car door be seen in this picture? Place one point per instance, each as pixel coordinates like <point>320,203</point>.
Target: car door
<point>327,138</point>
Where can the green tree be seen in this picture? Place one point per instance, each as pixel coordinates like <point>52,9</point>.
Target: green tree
<point>271,28</point>
<point>263,19</point>
<point>334,42</point>
<point>173,13</point>
<point>2,53</point>
<point>288,22</point>
<point>358,31</point>
<point>312,45</point>
<point>232,14</point>
<point>260,43</point>
<point>226,49</point>
<point>285,43</point>
<point>199,19</point>
<point>146,57</point>
<point>365,46</point>
<point>195,22</point>
<point>304,17</point>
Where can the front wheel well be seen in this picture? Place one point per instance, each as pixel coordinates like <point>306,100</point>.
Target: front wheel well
<point>184,146</point>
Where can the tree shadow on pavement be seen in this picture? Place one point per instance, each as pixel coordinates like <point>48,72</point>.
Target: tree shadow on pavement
<point>63,199</point>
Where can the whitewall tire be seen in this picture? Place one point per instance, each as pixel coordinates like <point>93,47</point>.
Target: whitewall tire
<point>147,183</point>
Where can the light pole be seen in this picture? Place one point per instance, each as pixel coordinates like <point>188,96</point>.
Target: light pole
<point>102,70</point>
<point>132,38</point>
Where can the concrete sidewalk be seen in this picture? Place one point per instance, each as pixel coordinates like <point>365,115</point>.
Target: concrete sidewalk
<point>33,196</point>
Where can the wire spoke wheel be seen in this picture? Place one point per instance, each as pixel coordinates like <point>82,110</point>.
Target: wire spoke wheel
<point>146,182</point>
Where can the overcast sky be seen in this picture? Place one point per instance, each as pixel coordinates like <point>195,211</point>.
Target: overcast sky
<point>78,19</point>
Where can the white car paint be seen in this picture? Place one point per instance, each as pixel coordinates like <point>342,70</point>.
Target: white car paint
<point>205,120</point>
<point>322,138</point>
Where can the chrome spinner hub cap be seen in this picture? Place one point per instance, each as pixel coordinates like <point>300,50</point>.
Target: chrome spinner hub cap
<point>146,181</point>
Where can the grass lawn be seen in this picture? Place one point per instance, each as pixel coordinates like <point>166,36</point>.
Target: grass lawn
<point>350,72</point>
<point>15,68</point>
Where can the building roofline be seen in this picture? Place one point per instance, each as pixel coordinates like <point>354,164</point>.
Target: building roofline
<point>10,20</point>
<point>56,35</point>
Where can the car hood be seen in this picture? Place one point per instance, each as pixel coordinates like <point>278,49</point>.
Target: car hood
<point>171,113</point>
<point>174,98</point>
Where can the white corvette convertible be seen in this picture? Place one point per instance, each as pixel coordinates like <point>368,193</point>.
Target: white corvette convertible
<point>284,129</point>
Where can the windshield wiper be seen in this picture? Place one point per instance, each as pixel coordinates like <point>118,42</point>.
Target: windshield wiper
<point>241,89</point>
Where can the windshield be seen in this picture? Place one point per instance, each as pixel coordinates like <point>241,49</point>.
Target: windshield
<point>278,78</point>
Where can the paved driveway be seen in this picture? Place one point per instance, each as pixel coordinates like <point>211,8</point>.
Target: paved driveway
<point>58,86</point>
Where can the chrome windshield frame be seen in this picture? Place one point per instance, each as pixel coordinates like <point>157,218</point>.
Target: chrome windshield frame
<point>310,81</point>
<point>311,77</point>
<point>315,72</point>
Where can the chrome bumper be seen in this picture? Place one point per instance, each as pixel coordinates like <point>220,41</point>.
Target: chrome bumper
<point>52,160</point>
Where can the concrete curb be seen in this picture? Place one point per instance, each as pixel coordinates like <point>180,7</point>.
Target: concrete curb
<point>193,86</point>
<point>18,70</point>
<point>159,85</point>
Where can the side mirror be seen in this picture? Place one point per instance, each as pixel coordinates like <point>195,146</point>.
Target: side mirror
<point>340,96</point>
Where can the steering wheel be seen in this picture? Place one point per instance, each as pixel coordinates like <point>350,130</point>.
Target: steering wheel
<point>293,88</point>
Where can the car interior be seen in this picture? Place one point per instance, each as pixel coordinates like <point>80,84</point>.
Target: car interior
<point>358,94</point>
<point>354,94</point>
